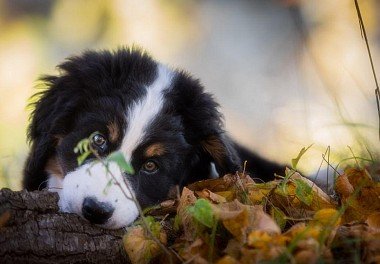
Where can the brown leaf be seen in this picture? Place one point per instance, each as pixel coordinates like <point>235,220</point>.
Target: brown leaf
<point>240,219</point>
<point>373,221</point>
<point>227,260</point>
<point>364,200</point>
<point>356,240</point>
<point>213,197</point>
<point>186,219</point>
<point>306,257</point>
<point>343,187</point>
<point>358,177</point>
<point>233,248</point>
<point>167,203</point>
<point>197,252</point>
<point>264,222</point>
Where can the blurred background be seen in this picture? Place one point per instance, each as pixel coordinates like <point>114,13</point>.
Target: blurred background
<point>287,73</point>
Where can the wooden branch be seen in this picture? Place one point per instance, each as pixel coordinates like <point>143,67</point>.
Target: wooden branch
<point>32,230</point>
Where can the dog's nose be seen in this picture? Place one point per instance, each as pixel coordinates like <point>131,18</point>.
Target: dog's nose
<point>96,212</point>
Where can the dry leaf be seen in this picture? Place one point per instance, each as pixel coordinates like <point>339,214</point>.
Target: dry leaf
<point>364,200</point>
<point>140,247</point>
<point>301,231</point>
<point>186,219</point>
<point>240,219</point>
<point>167,203</point>
<point>263,221</point>
<point>356,240</point>
<point>235,218</point>
<point>233,248</point>
<point>213,197</point>
<point>343,187</point>
<point>227,260</point>
<point>306,257</point>
<point>259,239</point>
<point>228,195</point>
<point>373,221</point>
<point>197,252</point>
<point>358,177</point>
<point>328,217</point>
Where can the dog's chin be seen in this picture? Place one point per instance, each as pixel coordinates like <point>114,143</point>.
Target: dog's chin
<point>93,181</point>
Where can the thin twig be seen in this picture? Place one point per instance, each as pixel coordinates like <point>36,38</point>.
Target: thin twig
<point>364,35</point>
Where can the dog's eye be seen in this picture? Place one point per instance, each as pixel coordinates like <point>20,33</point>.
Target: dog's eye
<point>150,166</point>
<point>99,141</point>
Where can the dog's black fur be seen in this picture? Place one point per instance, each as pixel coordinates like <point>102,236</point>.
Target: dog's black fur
<point>96,89</point>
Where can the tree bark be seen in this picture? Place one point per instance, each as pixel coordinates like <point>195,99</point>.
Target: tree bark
<point>32,230</point>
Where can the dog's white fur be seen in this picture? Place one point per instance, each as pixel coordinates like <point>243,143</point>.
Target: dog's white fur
<point>106,185</point>
<point>143,112</point>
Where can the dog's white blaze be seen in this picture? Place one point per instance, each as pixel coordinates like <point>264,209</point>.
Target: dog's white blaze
<point>94,180</point>
<point>143,112</point>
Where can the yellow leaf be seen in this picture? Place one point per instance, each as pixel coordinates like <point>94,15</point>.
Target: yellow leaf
<point>227,260</point>
<point>237,222</point>
<point>259,239</point>
<point>301,231</point>
<point>328,217</point>
<point>228,195</point>
<point>140,247</point>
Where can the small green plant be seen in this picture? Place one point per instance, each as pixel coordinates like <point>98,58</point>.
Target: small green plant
<point>203,212</point>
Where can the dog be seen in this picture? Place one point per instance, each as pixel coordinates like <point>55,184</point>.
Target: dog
<point>167,127</point>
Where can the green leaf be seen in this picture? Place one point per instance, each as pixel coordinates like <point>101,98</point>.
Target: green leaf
<point>83,149</point>
<point>82,146</point>
<point>279,216</point>
<point>303,191</point>
<point>118,157</point>
<point>302,152</point>
<point>153,225</point>
<point>203,213</point>
<point>81,158</point>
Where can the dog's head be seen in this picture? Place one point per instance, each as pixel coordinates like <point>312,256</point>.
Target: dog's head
<point>160,119</point>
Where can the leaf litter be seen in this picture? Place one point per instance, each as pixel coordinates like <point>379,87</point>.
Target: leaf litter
<point>233,219</point>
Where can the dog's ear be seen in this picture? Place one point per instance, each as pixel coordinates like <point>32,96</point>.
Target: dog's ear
<point>47,125</point>
<point>203,124</point>
<point>222,152</point>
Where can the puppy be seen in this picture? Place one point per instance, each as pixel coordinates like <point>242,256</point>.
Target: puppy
<point>167,127</point>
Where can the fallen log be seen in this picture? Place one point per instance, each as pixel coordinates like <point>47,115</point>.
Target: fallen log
<point>32,230</point>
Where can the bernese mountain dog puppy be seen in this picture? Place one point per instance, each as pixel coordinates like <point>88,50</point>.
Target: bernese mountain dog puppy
<point>163,122</point>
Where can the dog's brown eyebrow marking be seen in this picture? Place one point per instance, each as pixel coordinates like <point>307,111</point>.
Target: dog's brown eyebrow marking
<point>113,130</point>
<point>156,149</point>
<point>215,148</point>
<point>53,167</point>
